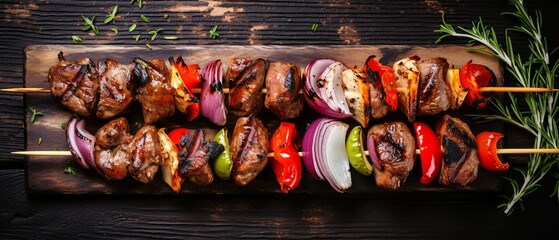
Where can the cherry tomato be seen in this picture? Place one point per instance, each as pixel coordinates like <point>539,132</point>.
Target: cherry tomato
<point>487,148</point>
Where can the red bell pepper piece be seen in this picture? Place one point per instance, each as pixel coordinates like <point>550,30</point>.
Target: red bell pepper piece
<point>388,80</point>
<point>430,151</point>
<point>286,162</point>
<point>191,78</point>
<point>487,149</point>
<point>472,77</point>
<point>176,134</point>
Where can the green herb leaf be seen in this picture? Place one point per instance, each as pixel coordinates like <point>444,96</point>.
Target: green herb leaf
<point>115,30</point>
<point>110,18</point>
<point>139,3</point>
<point>40,141</point>
<point>149,46</point>
<point>76,39</point>
<point>70,170</point>
<point>314,27</point>
<point>213,33</point>
<point>40,30</point>
<point>144,18</point>
<point>63,125</point>
<point>34,114</point>
<point>89,24</point>
<point>170,37</point>
<point>154,33</point>
<point>137,38</point>
<point>132,27</point>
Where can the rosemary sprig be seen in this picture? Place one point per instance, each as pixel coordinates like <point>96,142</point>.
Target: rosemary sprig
<point>89,24</point>
<point>541,119</point>
<point>110,18</point>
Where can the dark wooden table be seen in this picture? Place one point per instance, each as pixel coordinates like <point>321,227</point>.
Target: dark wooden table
<point>446,215</point>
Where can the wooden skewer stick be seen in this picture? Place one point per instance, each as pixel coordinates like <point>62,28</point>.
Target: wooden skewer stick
<point>226,90</point>
<point>271,154</point>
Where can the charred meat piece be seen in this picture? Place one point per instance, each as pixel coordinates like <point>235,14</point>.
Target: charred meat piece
<point>460,155</point>
<point>76,84</point>
<point>111,149</point>
<point>249,148</point>
<point>146,154</point>
<point>236,66</point>
<point>195,155</point>
<point>356,92</point>
<point>117,88</point>
<point>379,108</point>
<point>407,78</point>
<point>433,93</point>
<point>283,83</point>
<point>395,146</point>
<point>155,93</point>
<point>245,95</point>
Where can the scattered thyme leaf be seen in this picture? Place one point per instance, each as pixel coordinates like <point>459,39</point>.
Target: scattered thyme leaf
<point>132,27</point>
<point>137,38</point>
<point>89,24</point>
<point>40,30</point>
<point>144,18</point>
<point>154,33</point>
<point>63,125</point>
<point>34,114</point>
<point>115,30</point>
<point>149,46</point>
<point>314,27</point>
<point>110,18</point>
<point>170,37</point>
<point>70,170</point>
<point>213,33</point>
<point>140,3</point>
<point>77,39</point>
<point>40,141</point>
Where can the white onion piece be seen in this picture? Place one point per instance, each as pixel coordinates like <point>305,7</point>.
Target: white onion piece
<point>212,103</point>
<point>331,89</point>
<point>334,164</point>
<point>76,144</point>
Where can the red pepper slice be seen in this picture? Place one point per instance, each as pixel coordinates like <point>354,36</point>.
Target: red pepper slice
<point>430,151</point>
<point>472,77</point>
<point>388,80</point>
<point>191,78</point>
<point>176,134</point>
<point>487,148</point>
<point>286,162</point>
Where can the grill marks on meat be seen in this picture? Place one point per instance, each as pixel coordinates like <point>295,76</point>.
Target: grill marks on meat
<point>111,149</point>
<point>76,84</point>
<point>283,83</point>
<point>395,146</point>
<point>460,155</point>
<point>146,154</point>
<point>434,93</point>
<point>116,88</point>
<point>245,96</point>
<point>195,155</point>
<point>155,93</point>
<point>249,148</point>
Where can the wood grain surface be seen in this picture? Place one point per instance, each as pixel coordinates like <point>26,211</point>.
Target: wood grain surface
<point>414,215</point>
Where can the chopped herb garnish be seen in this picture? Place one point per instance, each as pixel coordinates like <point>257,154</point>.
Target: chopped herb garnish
<point>154,33</point>
<point>314,27</point>
<point>213,33</point>
<point>70,170</point>
<point>115,30</point>
<point>34,114</point>
<point>89,24</point>
<point>132,27</point>
<point>139,3</point>
<point>76,39</point>
<point>40,141</point>
<point>137,38</point>
<point>110,18</point>
<point>40,30</point>
<point>149,46</point>
<point>144,18</point>
<point>63,125</point>
<point>170,37</point>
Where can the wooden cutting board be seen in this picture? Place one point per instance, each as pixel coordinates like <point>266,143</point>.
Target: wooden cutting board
<point>45,175</point>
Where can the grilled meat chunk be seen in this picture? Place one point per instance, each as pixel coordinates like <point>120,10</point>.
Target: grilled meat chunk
<point>76,84</point>
<point>117,88</point>
<point>283,83</point>
<point>146,154</point>
<point>249,148</point>
<point>356,92</point>
<point>195,155</point>
<point>379,108</point>
<point>433,93</point>
<point>395,146</point>
<point>460,155</point>
<point>155,93</point>
<point>111,149</point>
<point>236,66</point>
<point>245,95</point>
<point>407,77</point>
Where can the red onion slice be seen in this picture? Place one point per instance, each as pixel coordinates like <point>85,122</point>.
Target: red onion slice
<point>313,97</point>
<point>212,103</point>
<point>86,143</point>
<point>371,147</point>
<point>307,149</point>
<point>80,143</point>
